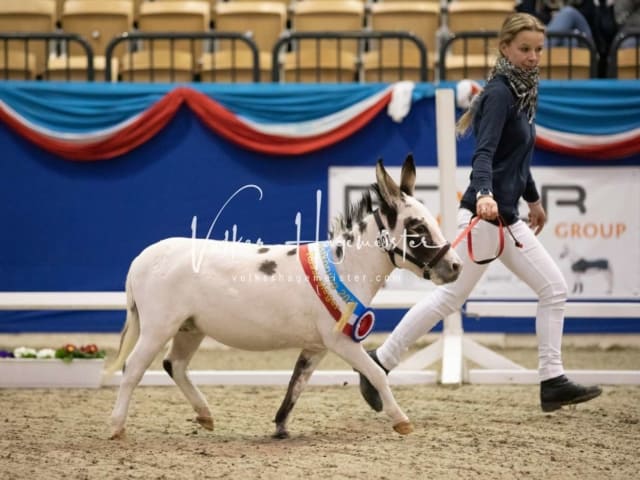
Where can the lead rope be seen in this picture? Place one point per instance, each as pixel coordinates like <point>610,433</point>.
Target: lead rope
<point>467,232</point>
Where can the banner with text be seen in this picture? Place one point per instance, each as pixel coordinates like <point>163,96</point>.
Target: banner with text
<point>592,230</point>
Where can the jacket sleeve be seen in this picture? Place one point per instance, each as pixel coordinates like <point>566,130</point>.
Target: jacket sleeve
<point>531,194</point>
<point>488,123</point>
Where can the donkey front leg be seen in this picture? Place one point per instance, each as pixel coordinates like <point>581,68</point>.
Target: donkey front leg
<point>305,365</point>
<point>354,354</point>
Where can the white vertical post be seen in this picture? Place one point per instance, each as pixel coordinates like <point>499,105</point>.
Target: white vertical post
<point>447,161</point>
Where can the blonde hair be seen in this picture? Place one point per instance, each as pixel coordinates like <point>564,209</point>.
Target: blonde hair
<point>511,27</point>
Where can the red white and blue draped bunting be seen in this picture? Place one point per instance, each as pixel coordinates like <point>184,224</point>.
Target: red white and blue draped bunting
<point>597,119</point>
<point>86,122</point>
<point>591,119</point>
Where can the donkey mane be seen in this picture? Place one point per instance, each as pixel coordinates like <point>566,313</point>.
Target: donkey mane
<point>344,223</point>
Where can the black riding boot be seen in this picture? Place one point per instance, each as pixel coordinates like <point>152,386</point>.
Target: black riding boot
<point>559,391</point>
<point>368,391</point>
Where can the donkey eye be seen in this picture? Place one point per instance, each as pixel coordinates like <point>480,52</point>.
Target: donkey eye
<point>420,229</point>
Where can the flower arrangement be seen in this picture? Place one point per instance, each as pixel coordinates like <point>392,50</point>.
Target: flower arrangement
<point>66,353</point>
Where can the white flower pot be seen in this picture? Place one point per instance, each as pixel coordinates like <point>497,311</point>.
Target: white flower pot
<point>46,373</point>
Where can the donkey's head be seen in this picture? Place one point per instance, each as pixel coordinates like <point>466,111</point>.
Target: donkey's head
<point>409,232</point>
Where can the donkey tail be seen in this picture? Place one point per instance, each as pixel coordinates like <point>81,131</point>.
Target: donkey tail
<point>130,333</point>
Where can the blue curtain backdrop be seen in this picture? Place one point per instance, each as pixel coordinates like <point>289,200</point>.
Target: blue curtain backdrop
<point>69,226</point>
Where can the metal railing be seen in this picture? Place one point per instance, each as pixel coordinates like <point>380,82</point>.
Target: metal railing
<point>151,39</point>
<point>612,60</point>
<point>572,41</point>
<point>465,38</point>
<point>292,43</point>
<point>43,47</point>
<point>47,46</point>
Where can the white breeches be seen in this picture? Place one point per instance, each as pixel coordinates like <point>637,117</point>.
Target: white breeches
<point>531,263</point>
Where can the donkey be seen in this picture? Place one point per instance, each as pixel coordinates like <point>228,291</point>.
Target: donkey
<point>311,296</point>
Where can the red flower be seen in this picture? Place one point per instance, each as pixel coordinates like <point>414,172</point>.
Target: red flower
<point>69,348</point>
<point>92,348</point>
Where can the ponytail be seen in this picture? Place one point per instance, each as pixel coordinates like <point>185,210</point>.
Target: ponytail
<point>464,122</point>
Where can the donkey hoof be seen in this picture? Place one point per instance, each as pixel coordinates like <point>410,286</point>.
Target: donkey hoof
<point>205,422</point>
<point>281,435</point>
<point>403,428</point>
<point>117,435</point>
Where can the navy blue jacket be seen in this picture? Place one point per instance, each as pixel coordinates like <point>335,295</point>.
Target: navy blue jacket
<point>504,147</point>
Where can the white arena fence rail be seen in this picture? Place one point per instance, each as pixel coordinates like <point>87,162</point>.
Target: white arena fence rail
<point>497,369</point>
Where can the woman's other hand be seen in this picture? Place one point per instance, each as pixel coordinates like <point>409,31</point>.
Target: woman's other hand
<point>537,217</point>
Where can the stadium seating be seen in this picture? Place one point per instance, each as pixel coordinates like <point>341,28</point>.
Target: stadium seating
<point>284,3</point>
<point>465,16</point>
<point>625,62</point>
<point>212,5</point>
<point>472,57</point>
<point>166,59</point>
<point>395,59</point>
<point>328,16</point>
<point>175,16</point>
<point>232,66</point>
<point>474,66</point>
<point>565,63</point>
<point>628,63</point>
<point>98,21</point>
<point>17,66</point>
<point>157,66</point>
<point>265,20</point>
<point>58,15</point>
<point>325,59</point>
<point>64,68</point>
<point>26,16</point>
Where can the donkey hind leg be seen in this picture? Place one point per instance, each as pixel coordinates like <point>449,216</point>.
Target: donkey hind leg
<point>355,355</point>
<point>305,365</point>
<point>184,345</point>
<point>146,348</point>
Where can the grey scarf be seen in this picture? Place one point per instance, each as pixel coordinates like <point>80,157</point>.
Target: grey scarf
<point>523,83</point>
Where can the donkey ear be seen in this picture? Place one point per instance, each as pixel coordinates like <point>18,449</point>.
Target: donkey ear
<point>408,175</point>
<point>388,188</point>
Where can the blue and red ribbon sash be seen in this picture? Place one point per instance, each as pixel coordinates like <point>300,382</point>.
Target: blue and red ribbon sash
<point>354,319</point>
